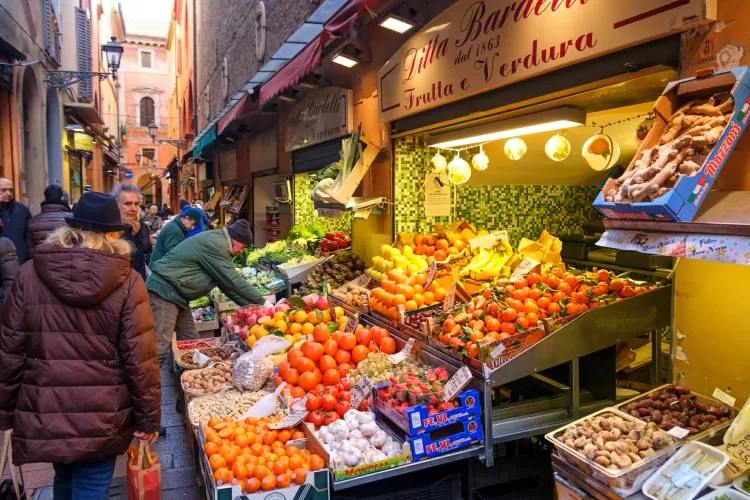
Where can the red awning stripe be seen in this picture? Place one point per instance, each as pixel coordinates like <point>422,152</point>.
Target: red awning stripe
<point>244,106</point>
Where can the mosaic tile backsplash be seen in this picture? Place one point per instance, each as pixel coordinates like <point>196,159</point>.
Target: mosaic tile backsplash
<point>305,213</point>
<point>524,211</point>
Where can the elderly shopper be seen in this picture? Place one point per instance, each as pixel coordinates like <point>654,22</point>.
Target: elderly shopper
<point>173,234</point>
<point>8,267</point>
<point>79,376</point>
<point>54,211</point>
<point>128,198</point>
<point>153,220</point>
<point>190,271</point>
<point>15,217</point>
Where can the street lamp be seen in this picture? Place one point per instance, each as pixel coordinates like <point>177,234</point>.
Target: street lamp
<point>153,128</point>
<point>58,79</point>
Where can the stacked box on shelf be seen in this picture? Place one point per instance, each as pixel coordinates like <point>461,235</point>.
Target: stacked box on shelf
<point>419,426</point>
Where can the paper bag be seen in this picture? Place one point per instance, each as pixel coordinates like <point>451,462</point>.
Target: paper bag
<point>144,473</point>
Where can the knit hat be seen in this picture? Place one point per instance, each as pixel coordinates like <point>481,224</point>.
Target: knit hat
<point>240,231</point>
<point>193,214</point>
<point>96,212</point>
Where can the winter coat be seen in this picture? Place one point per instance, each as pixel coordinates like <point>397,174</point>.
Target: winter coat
<point>15,221</point>
<point>153,222</point>
<point>171,235</point>
<point>80,368</point>
<point>8,268</point>
<point>141,245</point>
<point>43,224</point>
<point>195,267</point>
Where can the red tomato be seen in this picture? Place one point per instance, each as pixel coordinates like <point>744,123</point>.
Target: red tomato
<point>343,407</point>
<point>330,418</point>
<point>328,402</point>
<point>312,404</point>
<point>316,418</point>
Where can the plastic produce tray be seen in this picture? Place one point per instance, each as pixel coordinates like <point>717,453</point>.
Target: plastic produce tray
<point>722,458</point>
<point>624,482</point>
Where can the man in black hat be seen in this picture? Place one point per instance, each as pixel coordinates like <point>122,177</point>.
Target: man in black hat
<point>190,271</point>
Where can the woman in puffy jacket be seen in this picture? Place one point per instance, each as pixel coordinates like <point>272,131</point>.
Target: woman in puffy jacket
<point>79,375</point>
<point>8,266</point>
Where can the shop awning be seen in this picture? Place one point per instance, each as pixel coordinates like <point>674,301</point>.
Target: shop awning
<point>86,112</point>
<point>244,106</point>
<point>8,50</point>
<point>208,136</point>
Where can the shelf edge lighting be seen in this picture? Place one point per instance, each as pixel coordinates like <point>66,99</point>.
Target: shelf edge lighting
<point>345,60</point>
<point>396,23</point>
<point>544,121</point>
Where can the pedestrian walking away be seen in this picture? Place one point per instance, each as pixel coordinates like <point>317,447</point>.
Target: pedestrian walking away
<point>128,197</point>
<point>54,211</point>
<point>15,217</point>
<point>8,267</point>
<point>80,375</point>
<point>191,270</point>
<point>173,234</point>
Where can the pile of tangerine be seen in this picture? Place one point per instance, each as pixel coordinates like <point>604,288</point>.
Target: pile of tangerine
<point>255,457</point>
<point>401,288</point>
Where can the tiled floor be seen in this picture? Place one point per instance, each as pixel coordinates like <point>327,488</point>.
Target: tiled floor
<point>179,476</point>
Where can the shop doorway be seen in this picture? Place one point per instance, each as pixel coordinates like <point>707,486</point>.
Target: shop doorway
<point>33,175</point>
<point>151,188</point>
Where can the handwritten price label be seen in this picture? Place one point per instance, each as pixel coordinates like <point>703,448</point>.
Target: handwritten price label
<point>401,312</point>
<point>524,268</point>
<point>678,432</point>
<point>724,397</point>
<point>497,351</point>
<point>450,298</point>
<point>403,354</point>
<point>456,383</point>
<point>352,323</point>
<point>431,272</point>
<point>365,281</point>
<point>290,420</point>
<point>299,404</point>
<point>361,391</point>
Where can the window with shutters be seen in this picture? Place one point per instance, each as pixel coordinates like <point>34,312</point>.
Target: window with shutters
<point>147,111</point>
<point>83,53</point>
<point>51,30</point>
<point>145,59</point>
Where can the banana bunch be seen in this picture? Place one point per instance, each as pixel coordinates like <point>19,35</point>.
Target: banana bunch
<point>487,264</point>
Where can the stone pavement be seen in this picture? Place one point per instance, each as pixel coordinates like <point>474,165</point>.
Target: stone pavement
<point>179,476</point>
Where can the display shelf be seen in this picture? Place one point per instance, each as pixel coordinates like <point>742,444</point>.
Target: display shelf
<point>572,477</point>
<point>474,451</point>
<point>591,332</point>
<point>355,204</point>
<point>722,213</point>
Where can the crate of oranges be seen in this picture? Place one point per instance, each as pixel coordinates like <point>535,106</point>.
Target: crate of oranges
<point>246,457</point>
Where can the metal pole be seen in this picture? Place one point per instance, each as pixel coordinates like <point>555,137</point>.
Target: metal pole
<point>575,390</point>
<point>489,458</point>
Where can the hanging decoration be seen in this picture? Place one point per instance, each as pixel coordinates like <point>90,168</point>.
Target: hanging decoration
<point>439,163</point>
<point>515,148</point>
<point>459,170</point>
<point>643,129</point>
<point>600,152</point>
<point>480,160</point>
<point>557,147</point>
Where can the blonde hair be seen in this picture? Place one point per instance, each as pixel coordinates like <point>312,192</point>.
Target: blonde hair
<point>71,237</point>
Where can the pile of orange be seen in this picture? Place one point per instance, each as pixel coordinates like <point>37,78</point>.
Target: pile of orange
<point>441,248</point>
<point>404,289</point>
<point>255,457</point>
<point>328,357</point>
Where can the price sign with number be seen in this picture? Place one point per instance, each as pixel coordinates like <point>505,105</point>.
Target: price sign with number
<point>456,383</point>
<point>299,404</point>
<point>450,298</point>
<point>431,272</point>
<point>524,268</point>
<point>724,397</point>
<point>352,323</point>
<point>403,353</point>
<point>361,391</point>
<point>290,420</point>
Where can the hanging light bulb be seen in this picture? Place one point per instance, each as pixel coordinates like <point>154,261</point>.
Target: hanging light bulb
<point>600,152</point>
<point>439,163</point>
<point>515,148</point>
<point>459,170</point>
<point>557,147</point>
<point>480,160</point>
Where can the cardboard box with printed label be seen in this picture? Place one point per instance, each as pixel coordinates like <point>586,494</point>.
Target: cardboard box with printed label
<point>682,201</point>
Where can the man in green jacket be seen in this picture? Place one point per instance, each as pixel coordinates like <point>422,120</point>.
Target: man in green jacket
<point>174,233</point>
<point>190,271</point>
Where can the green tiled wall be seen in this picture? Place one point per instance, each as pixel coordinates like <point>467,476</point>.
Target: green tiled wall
<point>524,211</point>
<point>304,212</point>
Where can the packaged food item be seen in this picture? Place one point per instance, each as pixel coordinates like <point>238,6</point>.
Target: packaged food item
<point>253,368</point>
<point>685,475</point>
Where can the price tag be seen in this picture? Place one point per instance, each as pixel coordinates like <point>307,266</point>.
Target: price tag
<point>314,297</point>
<point>450,298</point>
<point>497,351</point>
<point>488,241</point>
<point>431,272</point>
<point>524,268</point>
<point>326,288</point>
<point>403,353</point>
<point>724,397</point>
<point>299,404</point>
<point>678,432</point>
<point>456,383</point>
<point>361,391</point>
<point>365,280</point>
<point>290,420</point>
<point>739,454</point>
<point>351,324</point>
<point>401,312</point>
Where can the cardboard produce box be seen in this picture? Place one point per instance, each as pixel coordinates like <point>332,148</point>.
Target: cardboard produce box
<point>681,202</point>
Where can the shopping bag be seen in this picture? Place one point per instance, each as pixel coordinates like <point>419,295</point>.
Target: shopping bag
<point>12,489</point>
<point>144,473</point>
